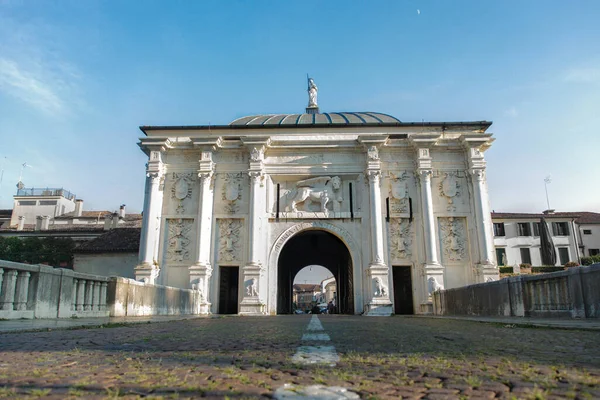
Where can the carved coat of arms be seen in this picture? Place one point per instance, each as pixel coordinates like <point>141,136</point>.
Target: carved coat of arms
<point>232,191</point>
<point>399,192</point>
<point>182,189</point>
<point>450,189</point>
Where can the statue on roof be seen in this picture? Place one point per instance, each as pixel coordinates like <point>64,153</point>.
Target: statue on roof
<point>312,93</point>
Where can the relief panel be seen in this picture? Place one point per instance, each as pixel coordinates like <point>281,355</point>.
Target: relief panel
<point>230,240</point>
<point>323,196</point>
<point>452,193</point>
<point>230,193</point>
<point>453,239</point>
<point>179,246</point>
<point>399,193</point>
<point>401,239</point>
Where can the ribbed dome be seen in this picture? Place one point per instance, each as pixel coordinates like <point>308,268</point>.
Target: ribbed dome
<point>338,118</point>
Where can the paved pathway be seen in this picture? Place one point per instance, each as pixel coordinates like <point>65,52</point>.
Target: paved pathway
<point>243,357</point>
<point>586,324</point>
<point>15,325</point>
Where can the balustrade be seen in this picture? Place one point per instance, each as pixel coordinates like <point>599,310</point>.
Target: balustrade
<point>28,291</point>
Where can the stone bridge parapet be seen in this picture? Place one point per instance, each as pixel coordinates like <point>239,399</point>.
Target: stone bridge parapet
<point>565,294</point>
<point>40,291</point>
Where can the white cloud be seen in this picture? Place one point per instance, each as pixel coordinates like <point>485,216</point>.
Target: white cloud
<point>29,87</point>
<point>583,75</point>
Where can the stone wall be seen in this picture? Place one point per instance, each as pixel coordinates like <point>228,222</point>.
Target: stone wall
<point>127,297</point>
<point>39,291</point>
<point>567,294</point>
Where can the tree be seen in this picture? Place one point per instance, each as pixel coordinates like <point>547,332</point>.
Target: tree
<point>33,250</point>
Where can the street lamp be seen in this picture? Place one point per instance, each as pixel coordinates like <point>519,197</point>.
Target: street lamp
<point>547,180</point>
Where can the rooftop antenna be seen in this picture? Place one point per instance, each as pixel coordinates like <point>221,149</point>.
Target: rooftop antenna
<point>20,184</point>
<point>547,180</point>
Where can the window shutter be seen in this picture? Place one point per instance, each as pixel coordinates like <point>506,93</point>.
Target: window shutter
<point>554,229</point>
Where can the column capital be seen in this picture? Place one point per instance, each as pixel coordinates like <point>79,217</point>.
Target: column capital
<point>205,175</point>
<point>424,174</point>
<point>256,177</point>
<point>154,175</point>
<point>477,173</point>
<point>374,175</point>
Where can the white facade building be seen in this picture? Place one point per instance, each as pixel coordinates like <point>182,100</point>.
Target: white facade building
<point>517,239</point>
<point>235,211</point>
<point>31,203</point>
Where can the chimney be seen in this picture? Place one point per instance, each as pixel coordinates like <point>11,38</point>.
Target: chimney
<point>78,207</point>
<point>38,223</point>
<point>45,222</point>
<point>115,220</point>
<point>122,211</point>
<point>21,224</point>
<point>549,211</point>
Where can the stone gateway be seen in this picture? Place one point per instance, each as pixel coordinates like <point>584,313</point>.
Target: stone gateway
<point>394,210</point>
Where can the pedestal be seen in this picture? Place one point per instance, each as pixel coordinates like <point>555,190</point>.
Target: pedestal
<point>380,303</point>
<point>146,272</point>
<point>199,278</point>
<point>251,304</point>
<point>434,281</point>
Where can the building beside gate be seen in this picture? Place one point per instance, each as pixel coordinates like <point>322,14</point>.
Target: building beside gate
<point>395,210</point>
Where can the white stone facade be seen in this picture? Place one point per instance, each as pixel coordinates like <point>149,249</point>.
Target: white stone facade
<point>245,196</point>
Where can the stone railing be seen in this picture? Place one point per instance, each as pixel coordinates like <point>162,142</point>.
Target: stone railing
<point>40,291</point>
<point>569,294</point>
<point>128,297</point>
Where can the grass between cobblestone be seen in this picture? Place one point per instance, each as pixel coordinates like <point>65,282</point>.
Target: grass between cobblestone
<point>251,357</point>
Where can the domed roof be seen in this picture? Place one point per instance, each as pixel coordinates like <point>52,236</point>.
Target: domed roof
<point>337,118</point>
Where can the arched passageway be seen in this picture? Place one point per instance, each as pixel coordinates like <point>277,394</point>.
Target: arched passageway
<point>315,247</point>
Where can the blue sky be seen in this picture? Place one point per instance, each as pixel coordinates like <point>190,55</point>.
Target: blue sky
<point>77,78</point>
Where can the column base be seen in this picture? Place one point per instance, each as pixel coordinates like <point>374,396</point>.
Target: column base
<point>490,272</point>
<point>146,272</point>
<point>379,308</point>
<point>252,306</point>
<point>200,274</point>
<point>426,308</point>
<point>434,279</point>
<point>380,304</point>
<point>204,308</point>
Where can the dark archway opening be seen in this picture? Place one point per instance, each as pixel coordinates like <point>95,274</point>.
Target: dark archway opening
<point>315,247</point>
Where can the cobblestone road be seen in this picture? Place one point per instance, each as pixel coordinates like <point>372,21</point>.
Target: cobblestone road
<point>238,357</point>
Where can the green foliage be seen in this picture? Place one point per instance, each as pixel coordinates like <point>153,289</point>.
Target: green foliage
<point>546,268</point>
<point>33,250</point>
<point>506,270</point>
<point>590,260</point>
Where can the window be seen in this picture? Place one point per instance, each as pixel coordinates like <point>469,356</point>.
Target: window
<point>27,202</point>
<point>563,255</point>
<point>536,229</point>
<point>501,256</point>
<point>524,229</point>
<point>594,252</point>
<point>560,228</point>
<point>587,231</point>
<point>47,202</point>
<point>499,229</point>
<point>525,255</point>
